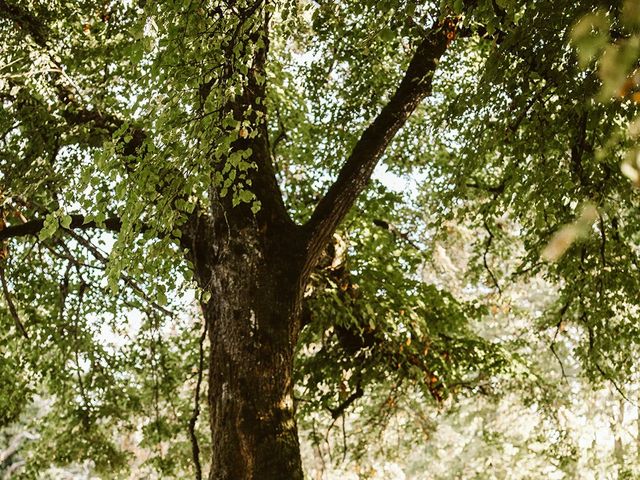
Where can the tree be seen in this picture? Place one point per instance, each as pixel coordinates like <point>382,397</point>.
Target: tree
<point>199,134</point>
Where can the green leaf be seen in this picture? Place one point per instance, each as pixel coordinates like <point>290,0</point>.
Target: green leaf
<point>51,225</point>
<point>246,196</point>
<point>387,34</point>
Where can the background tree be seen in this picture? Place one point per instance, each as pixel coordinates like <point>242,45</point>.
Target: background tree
<point>199,136</point>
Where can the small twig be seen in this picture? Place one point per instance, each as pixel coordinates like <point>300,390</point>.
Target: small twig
<point>344,440</point>
<point>484,258</point>
<point>394,230</point>
<point>555,354</point>
<point>76,343</point>
<point>64,292</point>
<point>282,134</point>
<point>339,410</point>
<point>195,448</point>
<point>522,270</point>
<point>523,113</point>
<point>497,189</point>
<point>12,307</point>
<point>603,243</point>
<point>127,279</point>
<point>552,347</point>
<point>67,255</point>
<point>613,382</point>
<point>155,334</point>
<point>316,442</point>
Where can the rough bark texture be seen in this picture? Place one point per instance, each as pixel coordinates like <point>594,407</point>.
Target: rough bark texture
<point>252,266</point>
<point>253,317</point>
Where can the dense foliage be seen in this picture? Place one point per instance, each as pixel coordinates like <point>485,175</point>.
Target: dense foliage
<point>115,131</point>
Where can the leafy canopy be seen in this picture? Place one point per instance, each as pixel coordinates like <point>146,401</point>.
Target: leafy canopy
<point>112,116</point>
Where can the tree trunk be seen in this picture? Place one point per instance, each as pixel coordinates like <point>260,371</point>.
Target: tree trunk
<point>253,320</point>
<point>256,265</point>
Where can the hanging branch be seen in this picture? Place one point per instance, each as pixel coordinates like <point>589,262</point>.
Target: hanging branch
<point>12,308</point>
<point>484,258</point>
<point>195,448</point>
<point>127,279</point>
<point>75,319</point>
<point>552,345</point>
<point>156,393</point>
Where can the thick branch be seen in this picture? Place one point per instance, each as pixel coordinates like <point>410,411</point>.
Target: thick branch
<point>357,170</point>
<point>33,227</point>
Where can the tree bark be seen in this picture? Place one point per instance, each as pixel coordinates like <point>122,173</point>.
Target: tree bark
<point>253,320</point>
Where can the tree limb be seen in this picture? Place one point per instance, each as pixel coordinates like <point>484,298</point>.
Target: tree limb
<point>33,227</point>
<point>195,447</point>
<point>357,170</point>
<point>250,107</point>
